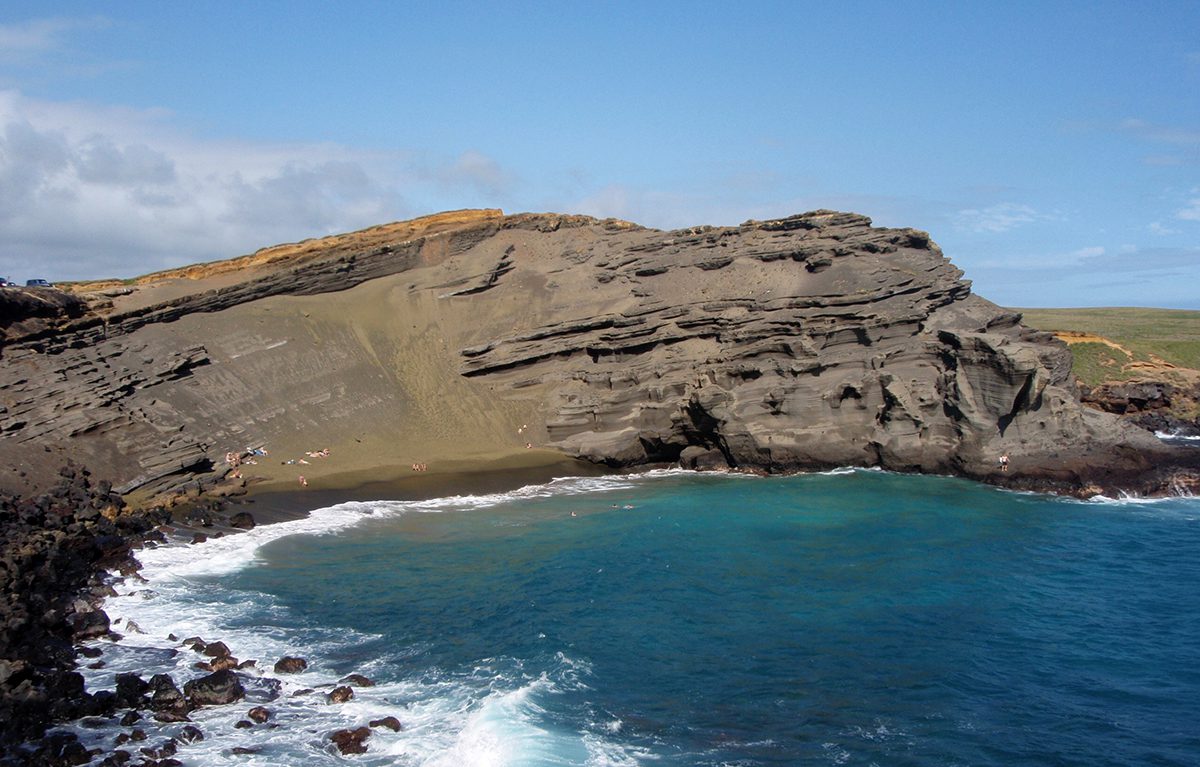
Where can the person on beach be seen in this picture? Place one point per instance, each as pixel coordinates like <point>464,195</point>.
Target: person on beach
<point>303,481</point>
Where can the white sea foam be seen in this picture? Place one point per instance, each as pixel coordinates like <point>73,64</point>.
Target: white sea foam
<point>489,717</point>
<point>1176,436</point>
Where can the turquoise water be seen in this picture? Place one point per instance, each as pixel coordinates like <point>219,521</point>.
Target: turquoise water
<point>856,618</point>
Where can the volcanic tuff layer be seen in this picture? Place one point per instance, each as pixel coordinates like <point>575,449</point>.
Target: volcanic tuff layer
<point>807,342</point>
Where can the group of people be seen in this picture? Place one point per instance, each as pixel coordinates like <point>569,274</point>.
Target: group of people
<point>420,467</point>
<point>236,458</point>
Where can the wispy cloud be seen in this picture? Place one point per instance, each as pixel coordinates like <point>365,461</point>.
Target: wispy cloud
<point>1166,134</point>
<point>1190,211</point>
<point>1001,217</point>
<point>1095,276</point>
<point>31,42</point>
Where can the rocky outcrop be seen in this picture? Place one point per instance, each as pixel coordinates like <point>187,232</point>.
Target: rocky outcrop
<point>812,341</point>
<point>52,550</point>
<point>1157,406</point>
<point>26,312</point>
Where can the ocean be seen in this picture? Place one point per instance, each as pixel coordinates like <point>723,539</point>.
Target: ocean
<point>677,619</point>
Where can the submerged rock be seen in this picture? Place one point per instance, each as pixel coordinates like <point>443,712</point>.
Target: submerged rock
<point>390,722</point>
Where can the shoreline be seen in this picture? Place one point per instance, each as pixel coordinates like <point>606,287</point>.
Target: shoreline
<point>270,500</point>
<point>274,502</point>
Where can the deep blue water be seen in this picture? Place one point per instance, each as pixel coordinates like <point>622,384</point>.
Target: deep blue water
<point>860,618</point>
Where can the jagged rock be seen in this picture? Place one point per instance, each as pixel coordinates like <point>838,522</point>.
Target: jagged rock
<point>166,700</point>
<point>225,662</point>
<point>351,741</point>
<point>218,688</point>
<point>52,548</point>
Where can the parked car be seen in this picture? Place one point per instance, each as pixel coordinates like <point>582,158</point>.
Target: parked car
<point>7,283</point>
<point>37,284</point>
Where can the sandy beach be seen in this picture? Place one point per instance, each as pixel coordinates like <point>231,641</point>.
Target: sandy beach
<point>278,501</point>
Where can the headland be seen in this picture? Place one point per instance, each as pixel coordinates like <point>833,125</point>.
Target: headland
<point>456,341</point>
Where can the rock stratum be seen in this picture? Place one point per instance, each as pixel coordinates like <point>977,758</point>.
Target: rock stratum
<point>807,342</point>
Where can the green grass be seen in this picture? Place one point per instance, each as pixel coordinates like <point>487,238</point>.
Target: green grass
<point>1172,335</point>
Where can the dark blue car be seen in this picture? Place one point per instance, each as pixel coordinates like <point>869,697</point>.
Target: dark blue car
<point>37,284</point>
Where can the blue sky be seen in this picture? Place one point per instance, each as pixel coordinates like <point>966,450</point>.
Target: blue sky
<point>1051,149</point>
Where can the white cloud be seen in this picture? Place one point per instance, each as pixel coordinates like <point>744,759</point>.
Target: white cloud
<point>89,192</point>
<point>1190,211</point>
<point>1083,254</point>
<point>1165,134</point>
<point>31,38</point>
<point>1157,227</point>
<point>1001,217</point>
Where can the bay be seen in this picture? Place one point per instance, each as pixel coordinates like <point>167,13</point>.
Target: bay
<point>853,617</point>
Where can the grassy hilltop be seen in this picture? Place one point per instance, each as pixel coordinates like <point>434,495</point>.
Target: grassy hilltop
<point>1125,344</point>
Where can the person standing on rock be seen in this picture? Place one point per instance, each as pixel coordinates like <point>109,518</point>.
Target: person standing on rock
<point>1004,462</point>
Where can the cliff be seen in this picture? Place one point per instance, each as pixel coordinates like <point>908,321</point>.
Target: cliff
<point>807,342</point>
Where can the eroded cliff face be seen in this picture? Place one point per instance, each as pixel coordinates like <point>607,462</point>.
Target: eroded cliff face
<point>807,342</point>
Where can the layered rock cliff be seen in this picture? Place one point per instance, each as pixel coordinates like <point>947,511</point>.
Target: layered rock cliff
<point>807,342</point>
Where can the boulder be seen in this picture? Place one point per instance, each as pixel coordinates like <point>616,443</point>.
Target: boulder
<point>340,694</point>
<point>390,722</point>
<point>216,650</point>
<point>130,689</point>
<point>218,688</point>
<point>243,520</point>
<point>226,662</point>
<point>290,665</point>
<point>89,625</point>
<point>259,714</point>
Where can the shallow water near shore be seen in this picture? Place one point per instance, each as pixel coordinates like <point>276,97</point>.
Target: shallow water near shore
<point>853,617</point>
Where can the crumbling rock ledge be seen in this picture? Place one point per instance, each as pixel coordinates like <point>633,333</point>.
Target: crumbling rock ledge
<point>808,342</point>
